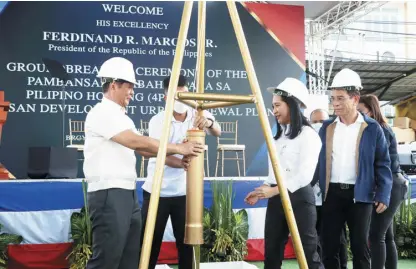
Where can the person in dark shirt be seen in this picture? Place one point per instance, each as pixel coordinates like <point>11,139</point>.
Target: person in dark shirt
<point>383,248</point>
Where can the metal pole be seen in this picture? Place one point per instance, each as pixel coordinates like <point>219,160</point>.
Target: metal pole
<point>255,87</point>
<point>190,103</point>
<point>215,97</point>
<point>200,83</point>
<point>194,230</point>
<point>161,155</point>
<point>195,175</point>
<point>221,104</point>
<point>332,60</point>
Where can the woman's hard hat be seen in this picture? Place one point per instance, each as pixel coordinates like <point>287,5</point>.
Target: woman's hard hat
<point>117,68</point>
<point>294,88</point>
<point>347,79</point>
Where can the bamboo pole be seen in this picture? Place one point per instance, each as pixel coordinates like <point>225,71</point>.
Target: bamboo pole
<point>255,87</point>
<point>161,155</point>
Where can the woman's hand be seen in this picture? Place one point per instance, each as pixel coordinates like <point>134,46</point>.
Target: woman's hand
<point>265,192</point>
<point>251,198</point>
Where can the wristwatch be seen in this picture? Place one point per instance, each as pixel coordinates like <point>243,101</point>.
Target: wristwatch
<point>211,124</point>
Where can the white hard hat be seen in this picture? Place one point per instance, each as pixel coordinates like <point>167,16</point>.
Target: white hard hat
<point>292,87</point>
<point>347,78</point>
<point>118,68</point>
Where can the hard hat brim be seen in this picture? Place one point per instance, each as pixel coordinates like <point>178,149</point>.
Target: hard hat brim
<point>134,82</point>
<point>347,88</point>
<point>272,89</point>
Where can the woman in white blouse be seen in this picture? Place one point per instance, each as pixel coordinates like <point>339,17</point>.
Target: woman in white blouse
<point>298,146</point>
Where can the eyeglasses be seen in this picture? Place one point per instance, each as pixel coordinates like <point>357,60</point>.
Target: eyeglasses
<point>340,99</point>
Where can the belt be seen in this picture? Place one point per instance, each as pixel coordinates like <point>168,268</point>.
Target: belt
<point>343,186</point>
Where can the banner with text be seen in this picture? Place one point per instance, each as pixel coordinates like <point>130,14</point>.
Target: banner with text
<point>82,35</point>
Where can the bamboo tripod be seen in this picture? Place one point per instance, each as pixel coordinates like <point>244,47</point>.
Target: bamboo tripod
<point>193,233</point>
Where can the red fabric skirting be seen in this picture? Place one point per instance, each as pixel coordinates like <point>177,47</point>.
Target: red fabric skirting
<point>256,250</point>
<point>39,256</point>
<point>48,256</point>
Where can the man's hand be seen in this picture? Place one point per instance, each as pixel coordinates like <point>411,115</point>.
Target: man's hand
<point>380,207</point>
<point>190,148</point>
<point>265,192</point>
<point>186,161</point>
<point>201,122</point>
<point>251,198</point>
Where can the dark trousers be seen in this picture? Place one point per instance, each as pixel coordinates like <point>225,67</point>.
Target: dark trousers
<point>343,247</point>
<point>338,208</point>
<point>382,245</point>
<point>116,229</point>
<point>276,229</point>
<point>175,207</point>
